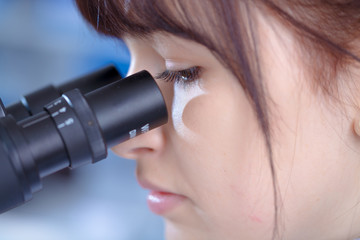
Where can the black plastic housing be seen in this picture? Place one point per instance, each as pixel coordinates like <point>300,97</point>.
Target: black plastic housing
<point>72,131</point>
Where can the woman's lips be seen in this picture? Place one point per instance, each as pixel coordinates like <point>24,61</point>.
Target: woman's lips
<point>161,201</point>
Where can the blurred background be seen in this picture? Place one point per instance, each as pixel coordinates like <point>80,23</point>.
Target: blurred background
<point>47,42</point>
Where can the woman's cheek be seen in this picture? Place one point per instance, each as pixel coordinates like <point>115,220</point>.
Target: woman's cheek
<point>185,107</point>
<point>200,113</point>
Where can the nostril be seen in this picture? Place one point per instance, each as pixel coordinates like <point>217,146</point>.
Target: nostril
<point>148,144</point>
<point>134,153</point>
<point>141,150</point>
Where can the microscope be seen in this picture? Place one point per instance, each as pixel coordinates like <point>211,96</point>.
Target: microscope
<point>72,125</point>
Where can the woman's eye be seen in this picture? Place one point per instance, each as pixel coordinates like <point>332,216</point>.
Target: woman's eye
<point>185,76</point>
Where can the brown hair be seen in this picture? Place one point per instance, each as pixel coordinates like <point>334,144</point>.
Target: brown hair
<point>227,27</point>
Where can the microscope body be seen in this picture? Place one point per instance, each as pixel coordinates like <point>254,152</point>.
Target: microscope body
<point>73,127</point>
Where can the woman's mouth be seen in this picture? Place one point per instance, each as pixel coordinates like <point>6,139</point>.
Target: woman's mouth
<point>161,201</point>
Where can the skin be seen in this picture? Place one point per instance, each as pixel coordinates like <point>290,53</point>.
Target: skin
<point>213,152</point>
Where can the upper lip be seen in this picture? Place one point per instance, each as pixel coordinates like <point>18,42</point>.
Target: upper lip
<point>150,186</point>
<point>146,184</point>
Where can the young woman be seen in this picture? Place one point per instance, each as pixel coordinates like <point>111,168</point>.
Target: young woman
<point>263,138</point>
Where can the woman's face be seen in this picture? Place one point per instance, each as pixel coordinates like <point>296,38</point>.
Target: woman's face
<point>208,167</point>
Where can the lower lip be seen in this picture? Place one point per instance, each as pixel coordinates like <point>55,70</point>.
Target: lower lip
<point>161,203</point>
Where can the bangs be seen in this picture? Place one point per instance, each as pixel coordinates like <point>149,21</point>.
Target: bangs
<point>228,28</point>
<point>195,20</point>
<point>220,25</point>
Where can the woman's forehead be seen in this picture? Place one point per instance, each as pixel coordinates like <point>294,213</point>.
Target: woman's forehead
<point>166,43</point>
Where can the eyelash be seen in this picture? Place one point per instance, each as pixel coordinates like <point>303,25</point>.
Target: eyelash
<point>185,76</point>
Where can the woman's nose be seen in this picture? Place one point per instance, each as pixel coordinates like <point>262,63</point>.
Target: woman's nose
<point>146,145</point>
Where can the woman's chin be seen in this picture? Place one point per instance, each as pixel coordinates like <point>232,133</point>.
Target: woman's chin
<point>175,231</point>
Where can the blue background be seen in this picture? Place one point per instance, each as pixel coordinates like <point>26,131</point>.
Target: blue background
<point>44,42</point>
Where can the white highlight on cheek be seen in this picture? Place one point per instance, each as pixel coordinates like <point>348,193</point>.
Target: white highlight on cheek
<point>182,96</point>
